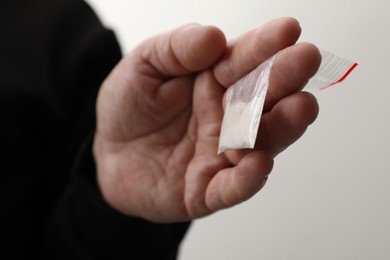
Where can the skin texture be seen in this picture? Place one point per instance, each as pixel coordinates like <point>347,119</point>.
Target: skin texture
<point>160,112</point>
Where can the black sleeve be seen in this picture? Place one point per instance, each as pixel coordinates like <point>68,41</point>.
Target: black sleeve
<point>54,55</point>
<point>81,225</point>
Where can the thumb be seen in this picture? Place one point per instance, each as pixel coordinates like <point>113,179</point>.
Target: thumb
<point>184,50</point>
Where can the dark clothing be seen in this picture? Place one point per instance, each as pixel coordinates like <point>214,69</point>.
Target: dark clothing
<point>54,54</point>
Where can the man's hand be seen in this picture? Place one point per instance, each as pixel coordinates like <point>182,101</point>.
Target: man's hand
<point>160,111</point>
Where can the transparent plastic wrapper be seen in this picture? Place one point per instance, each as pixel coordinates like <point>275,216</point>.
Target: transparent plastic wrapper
<point>245,99</point>
<point>243,109</point>
<point>332,70</point>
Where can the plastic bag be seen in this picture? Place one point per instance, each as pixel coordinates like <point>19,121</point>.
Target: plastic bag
<point>244,106</point>
<point>245,99</point>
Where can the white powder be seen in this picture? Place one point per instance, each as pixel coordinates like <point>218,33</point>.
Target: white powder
<point>239,126</point>
<point>244,106</point>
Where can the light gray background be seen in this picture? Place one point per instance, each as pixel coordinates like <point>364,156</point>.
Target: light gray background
<point>328,196</point>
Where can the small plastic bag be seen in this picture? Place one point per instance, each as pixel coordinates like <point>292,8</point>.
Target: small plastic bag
<point>245,99</point>
<point>244,106</point>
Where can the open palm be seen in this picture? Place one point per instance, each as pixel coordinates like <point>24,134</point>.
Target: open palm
<point>160,112</point>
